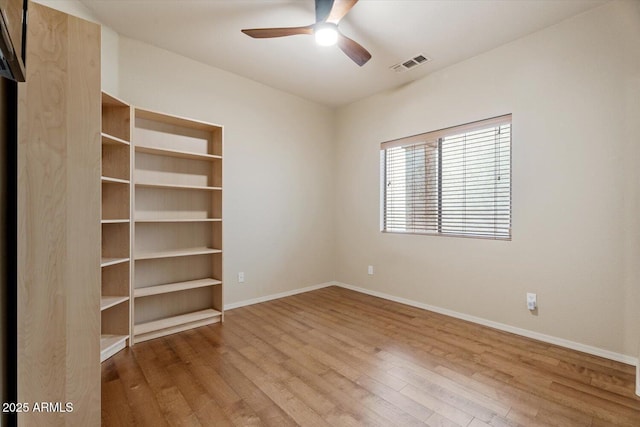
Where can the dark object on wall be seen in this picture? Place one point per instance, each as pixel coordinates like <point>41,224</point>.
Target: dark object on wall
<point>8,247</point>
<point>13,30</point>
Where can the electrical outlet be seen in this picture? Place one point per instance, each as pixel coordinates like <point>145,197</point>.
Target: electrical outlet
<point>241,277</point>
<point>370,270</point>
<point>532,301</point>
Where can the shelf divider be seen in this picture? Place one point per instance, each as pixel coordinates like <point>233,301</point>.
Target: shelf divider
<point>113,140</point>
<point>114,221</point>
<point>176,253</point>
<point>175,287</point>
<point>105,262</point>
<point>111,180</point>
<point>176,153</point>
<point>169,325</point>
<point>177,186</point>
<point>110,301</point>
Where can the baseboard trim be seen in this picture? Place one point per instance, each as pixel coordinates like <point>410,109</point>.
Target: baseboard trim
<point>278,295</point>
<point>507,328</point>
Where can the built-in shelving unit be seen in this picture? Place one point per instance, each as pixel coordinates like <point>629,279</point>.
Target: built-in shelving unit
<point>116,226</point>
<point>177,224</point>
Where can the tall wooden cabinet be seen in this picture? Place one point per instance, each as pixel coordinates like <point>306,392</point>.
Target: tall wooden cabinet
<point>116,226</point>
<point>177,224</point>
<point>59,219</point>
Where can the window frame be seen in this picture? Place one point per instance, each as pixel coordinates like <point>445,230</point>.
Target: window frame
<point>436,137</point>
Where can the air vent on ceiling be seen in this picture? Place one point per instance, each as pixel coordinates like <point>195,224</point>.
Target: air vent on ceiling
<point>410,63</point>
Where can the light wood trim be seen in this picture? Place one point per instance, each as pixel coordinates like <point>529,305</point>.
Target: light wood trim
<point>113,140</point>
<point>111,344</point>
<point>108,302</point>
<point>105,262</point>
<point>176,253</point>
<point>110,180</point>
<point>177,153</point>
<point>174,287</point>
<point>177,187</point>
<point>59,221</point>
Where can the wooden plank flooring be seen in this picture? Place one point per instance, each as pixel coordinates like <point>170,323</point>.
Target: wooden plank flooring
<point>334,357</point>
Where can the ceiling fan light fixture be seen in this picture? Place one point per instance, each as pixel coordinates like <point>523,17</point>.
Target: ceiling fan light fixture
<point>326,34</point>
<point>325,30</point>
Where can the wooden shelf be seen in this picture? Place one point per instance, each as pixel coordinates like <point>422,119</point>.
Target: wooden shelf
<point>105,262</point>
<point>176,153</point>
<point>113,140</point>
<point>110,180</point>
<point>109,100</point>
<point>170,325</point>
<point>111,344</point>
<point>177,175</point>
<point>177,187</point>
<point>114,221</point>
<point>174,287</point>
<point>115,283</point>
<point>176,253</point>
<point>107,302</point>
<point>180,220</point>
<point>175,120</point>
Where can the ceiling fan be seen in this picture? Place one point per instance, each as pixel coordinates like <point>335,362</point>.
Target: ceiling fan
<point>328,15</point>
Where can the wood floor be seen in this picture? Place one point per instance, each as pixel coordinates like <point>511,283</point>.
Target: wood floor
<point>334,357</point>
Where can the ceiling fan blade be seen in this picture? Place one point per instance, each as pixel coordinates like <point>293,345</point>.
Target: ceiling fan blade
<point>339,10</point>
<point>323,8</point>
<point>353,50</point>
<point>266,33</point>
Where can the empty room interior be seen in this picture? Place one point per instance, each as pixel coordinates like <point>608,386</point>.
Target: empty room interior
<point>320,213</point>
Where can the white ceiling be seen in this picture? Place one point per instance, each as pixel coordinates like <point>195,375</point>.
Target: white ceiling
<point>447,31</point>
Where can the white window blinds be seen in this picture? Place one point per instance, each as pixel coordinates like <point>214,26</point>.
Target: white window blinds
<point>455,181</point>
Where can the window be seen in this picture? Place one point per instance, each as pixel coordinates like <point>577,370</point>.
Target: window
<point>454,182</point>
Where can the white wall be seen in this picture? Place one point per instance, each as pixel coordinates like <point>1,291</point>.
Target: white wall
<point>573,91</point>
<point>109,42</point>
<point>278,166</point>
